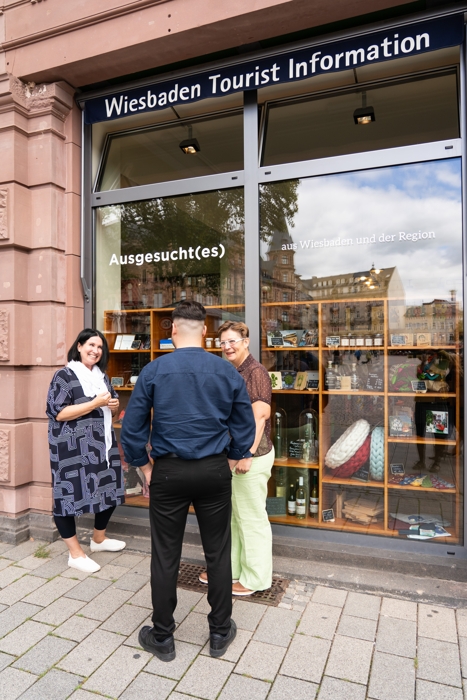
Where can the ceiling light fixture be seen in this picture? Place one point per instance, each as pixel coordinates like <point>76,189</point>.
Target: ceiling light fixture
<point>364,114</point>
<point>190,146</point>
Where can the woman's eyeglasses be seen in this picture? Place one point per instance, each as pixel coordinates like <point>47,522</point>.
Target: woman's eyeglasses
<point>225,343</point>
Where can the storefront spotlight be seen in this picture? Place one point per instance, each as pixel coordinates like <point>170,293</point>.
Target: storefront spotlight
<point>190,146</point>
<point>364,114</point>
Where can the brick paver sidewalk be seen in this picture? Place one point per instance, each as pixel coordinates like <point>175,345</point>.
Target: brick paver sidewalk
<point>69,635</point>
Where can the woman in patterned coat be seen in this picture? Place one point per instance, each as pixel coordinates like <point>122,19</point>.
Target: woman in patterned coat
<point>84,457</point>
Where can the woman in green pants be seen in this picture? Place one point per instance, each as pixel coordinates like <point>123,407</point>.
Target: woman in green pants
<point>251,530</point>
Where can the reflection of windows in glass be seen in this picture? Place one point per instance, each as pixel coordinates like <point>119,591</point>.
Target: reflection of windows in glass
<point>285,277</point>
<point>285,317</point>
<point>285,296</point>
<point>209,300</point>
<point>182,295</point>
<point>409,112</point>
<point>285,260</point>
<point>228,283</point>
<point>153,155</point>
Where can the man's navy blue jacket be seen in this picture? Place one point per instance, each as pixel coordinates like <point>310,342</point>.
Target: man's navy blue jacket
<point>200,408</point>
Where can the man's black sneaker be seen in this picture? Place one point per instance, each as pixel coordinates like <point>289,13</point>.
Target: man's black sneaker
<point>165,651</point>
<point>220,642</point>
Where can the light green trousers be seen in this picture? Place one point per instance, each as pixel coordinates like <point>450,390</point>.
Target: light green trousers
<point>251,530</point>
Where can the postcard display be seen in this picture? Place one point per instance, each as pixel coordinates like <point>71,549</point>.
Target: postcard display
<point>136,337</point>
<point>371,415</point>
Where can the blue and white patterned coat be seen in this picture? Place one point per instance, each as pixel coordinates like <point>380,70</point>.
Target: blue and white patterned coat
<point>83,482</point>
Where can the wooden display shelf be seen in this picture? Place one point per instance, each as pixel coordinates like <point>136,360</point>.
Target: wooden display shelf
<point>127,351</point>
<point>172,349</point>
<point>266,348</point>
<point>352,348</point>
<point>295,463</point>
<point>123,388</point>
<point>422,441</point>
<point>328,479</point>
<point>409,487</point>
<point>423,347</point>
<point>431,394</point>
<point>295,391</point>
<point>357,392</point>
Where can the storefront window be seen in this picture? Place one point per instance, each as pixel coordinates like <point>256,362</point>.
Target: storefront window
<point>153,155</point>
<point>151,255</point>
<point>405,113</point>
<point>362,333</point>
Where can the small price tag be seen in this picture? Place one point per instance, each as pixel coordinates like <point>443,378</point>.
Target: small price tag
<point>312,384</point>
<point>397,469</point>
<point>333,341</point>
<point>419,387</point>
<point>328,515</point>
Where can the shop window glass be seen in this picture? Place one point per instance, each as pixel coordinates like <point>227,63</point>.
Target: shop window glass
<point>153,155</point>
<point>406,113</point>
<point>378,436</point>
<point>150,255</point>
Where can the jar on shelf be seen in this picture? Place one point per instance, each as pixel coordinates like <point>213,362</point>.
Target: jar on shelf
<point>308,433</point>
<point>280,434</point>
<point>352,340</point>
<point>360,340</point>
<point>345,341</point>
<point>378,340</point>
<point>369,340</point>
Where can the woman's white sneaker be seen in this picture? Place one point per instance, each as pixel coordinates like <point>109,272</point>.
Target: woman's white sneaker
<point>107,546</point>
<point>85,564</point>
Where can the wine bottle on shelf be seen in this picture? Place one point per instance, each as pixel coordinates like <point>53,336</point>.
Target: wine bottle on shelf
<point>281,488</point>
<point>278,436</point>
<point>314,498</point>
<point>291,503</point>
<point>300,498</point>
<point>330,378</point>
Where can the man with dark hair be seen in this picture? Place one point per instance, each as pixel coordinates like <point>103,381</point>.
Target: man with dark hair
<point>202,428</point>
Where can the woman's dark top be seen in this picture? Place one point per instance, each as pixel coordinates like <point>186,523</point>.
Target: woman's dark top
<point>82,479</point>
<point>258,385</point>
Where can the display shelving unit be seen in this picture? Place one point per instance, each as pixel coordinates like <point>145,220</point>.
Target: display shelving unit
<point>332,490</point>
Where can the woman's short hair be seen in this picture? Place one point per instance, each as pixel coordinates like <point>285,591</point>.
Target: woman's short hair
<point>83,337</point>
<point>236,326</point>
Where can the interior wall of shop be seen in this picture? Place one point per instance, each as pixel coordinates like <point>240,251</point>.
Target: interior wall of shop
<point>50,49</point>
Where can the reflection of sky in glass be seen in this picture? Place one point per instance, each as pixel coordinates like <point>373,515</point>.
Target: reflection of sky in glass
<point>408,198</point>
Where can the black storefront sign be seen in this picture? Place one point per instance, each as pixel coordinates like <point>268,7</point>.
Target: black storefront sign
<point>409,40</point>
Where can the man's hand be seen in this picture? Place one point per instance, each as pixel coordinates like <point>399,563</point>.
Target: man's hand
<point>243,465</point>
<point>232,464</point>
<point>147,471</point>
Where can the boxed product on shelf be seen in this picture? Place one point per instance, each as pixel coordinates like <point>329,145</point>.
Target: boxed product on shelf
<point>287,339</point>
<point>363,509</point>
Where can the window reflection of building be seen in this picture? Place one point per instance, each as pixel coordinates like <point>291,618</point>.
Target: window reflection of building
<point>439,317</point>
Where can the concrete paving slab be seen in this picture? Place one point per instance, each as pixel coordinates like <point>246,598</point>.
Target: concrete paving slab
<point>13,617</point>
<point>202,606</point>
<point>20,589</point>
<point>132,640</point>
<point>206,677</point>
<point>438,662</point>
<point>277,627</point>
<point>88,590</point>
<point>4,563</point>
<point>242,688</point>
<point>402,609</point>
<point>143,598</point>
<point>186,602</point>
<point>285,687</point>
<point>261,661</point>
<point>30,563</point>
<point>362,605</point>
<point>146,686</point>
<point>44,655</point>
<point>397,637</point>
<point>91,653</point>
<point>437,623</point>
<point>236,649</point>
<point>55,685</point>
<point>12,573</point>
<point>52,567</point>
<point>4,547</point>
<point>329,596</point>
<point>59,611</point>
<point>82,695</point>
<point>106,603</point>
<point>247,616</point>
<point>143,568</point>
<point>24,637</point>
<point>391,677</point>
<point>319,620</point>
<point>5,660</point>
<point>306,658</point>
<point>180,696</point>
<point>337,689</point>
<point>50,591</point>
<point>110,572</point>
<point>23,550</point>
<point>127,560</point>
<point>131,582</point>
<point>435,691</point>
<point>194,629</point>
<point>185,655</point>
<point>57,547</point>
<point>125,620</point>
<point>461,619</point>
<point>76,628</point>
<point>14,683</point>
<point>358,627</point>
<point>350,659</point>
<point>463,655</point>
<point>117,672</point>
<point>75,575</point>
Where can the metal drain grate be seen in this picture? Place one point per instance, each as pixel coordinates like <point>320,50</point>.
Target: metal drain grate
<point>188,578</point>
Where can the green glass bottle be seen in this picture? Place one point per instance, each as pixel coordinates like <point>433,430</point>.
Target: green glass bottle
<point>300,498</point>
<point>314,498</point>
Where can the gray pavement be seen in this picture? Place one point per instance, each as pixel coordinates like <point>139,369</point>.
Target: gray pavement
<point>64,634</point>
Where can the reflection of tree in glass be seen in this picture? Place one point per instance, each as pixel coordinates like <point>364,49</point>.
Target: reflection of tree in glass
<point>279,200</point>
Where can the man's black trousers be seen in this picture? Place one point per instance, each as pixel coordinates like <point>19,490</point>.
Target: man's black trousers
<point>175,484</point>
